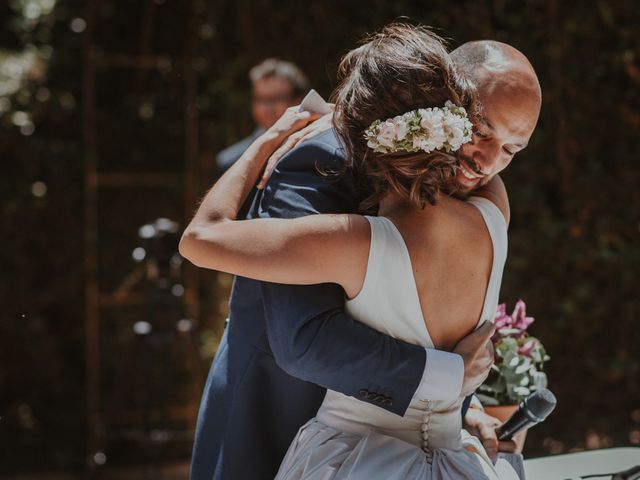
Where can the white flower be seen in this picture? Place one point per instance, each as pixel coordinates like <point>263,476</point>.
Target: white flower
<point>425,129</point>
<point>418,142</point>
<point>457,126</point>
<point>455,109</point>
<point>432,121</point>
<point>431,118</point>
<point>386,133</point>
<point>426,144</point>
<point>455,136</point>
<point>401,128</point>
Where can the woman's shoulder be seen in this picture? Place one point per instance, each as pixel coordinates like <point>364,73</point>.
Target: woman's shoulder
<point>456,224</point>
<point>495,192</point>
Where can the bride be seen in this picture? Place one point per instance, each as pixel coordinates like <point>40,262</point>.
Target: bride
<point>429,264</point>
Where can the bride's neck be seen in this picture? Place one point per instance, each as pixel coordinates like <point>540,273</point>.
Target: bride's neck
<point>392,204</point>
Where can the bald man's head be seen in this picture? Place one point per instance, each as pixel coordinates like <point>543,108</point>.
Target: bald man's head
<point>488,60</point>
<point>510,99</point>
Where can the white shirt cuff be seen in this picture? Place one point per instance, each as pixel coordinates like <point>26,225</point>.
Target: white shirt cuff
<point>442,377</point>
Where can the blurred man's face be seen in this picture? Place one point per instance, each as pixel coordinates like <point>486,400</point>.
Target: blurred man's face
<point>509,116</point>
<point>271,97</point>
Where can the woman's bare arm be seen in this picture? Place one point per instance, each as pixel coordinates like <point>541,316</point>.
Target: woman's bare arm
<point>225,199</point>
<point>309,250</point>
<point>302,251</point>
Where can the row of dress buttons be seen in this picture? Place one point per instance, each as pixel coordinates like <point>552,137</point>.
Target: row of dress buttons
<point>426,419</point>
<point>375,397</point>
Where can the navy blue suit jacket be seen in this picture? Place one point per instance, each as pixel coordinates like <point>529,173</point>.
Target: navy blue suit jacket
<point>230,155</point>
<point>285,345</point>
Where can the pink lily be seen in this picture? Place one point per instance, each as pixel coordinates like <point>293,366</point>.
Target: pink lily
<point>502,320</point>
<point>520,319</point>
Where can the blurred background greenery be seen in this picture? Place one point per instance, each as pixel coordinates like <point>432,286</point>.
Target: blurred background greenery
<point>574,236</point>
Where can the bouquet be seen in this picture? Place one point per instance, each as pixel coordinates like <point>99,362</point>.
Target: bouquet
<point>519,360</point>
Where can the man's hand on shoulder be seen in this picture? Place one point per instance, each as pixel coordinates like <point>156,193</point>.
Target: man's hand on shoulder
<point>477,353</point>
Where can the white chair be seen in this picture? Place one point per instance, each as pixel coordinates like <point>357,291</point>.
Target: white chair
<point>589,463</point>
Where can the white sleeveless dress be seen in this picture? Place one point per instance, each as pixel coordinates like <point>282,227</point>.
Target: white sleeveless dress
<point>350,439</point>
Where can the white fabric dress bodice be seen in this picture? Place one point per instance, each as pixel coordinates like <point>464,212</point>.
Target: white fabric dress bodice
<point>352,439</point>
<point>389,303</point>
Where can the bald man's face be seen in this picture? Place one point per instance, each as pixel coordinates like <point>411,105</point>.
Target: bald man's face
<point>510,109</point>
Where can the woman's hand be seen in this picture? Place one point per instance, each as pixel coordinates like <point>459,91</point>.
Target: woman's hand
<point>291,121</point>
<point>225,199</point>
<point>295,138</point>
<point>483,426</point>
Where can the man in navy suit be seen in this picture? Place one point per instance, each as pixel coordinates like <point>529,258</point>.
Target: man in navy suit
<point>285,345</point>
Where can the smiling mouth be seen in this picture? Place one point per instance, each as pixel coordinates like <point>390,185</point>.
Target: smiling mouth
<point>466,167</point>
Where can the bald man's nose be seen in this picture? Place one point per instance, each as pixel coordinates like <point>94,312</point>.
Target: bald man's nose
<point>483,154</point>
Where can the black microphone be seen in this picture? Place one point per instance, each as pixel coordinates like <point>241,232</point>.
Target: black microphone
<point>532,410</point>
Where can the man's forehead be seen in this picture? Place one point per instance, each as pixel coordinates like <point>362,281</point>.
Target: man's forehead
<point>518,130</point>
<point>513,88</point>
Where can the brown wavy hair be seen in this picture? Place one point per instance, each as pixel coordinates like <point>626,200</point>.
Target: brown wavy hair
<point>396,70</point>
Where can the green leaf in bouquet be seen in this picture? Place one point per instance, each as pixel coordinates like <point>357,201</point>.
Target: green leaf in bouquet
<point>540,380</point>
<point>521,391</point>
<point>509,331</point>
<point>524,366</point>
<point>496,389</point>
<point>509,343</point>
<point>511,377</point>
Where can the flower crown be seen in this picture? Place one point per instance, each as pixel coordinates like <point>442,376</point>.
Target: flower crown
<point>426,129</point>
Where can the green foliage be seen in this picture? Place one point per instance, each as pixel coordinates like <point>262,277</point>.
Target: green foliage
<point>514,375</point>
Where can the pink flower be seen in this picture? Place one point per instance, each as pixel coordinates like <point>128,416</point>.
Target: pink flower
<point>514,325</point>
<point>528,348</point>
<point>502,320</point>
<point>520,319</point>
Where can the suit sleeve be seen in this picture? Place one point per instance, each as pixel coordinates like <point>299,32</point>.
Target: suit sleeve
<point>310,334</point>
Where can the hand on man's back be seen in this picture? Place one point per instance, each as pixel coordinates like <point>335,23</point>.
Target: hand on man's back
<point>477,354</point>
<point>323,123</point>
